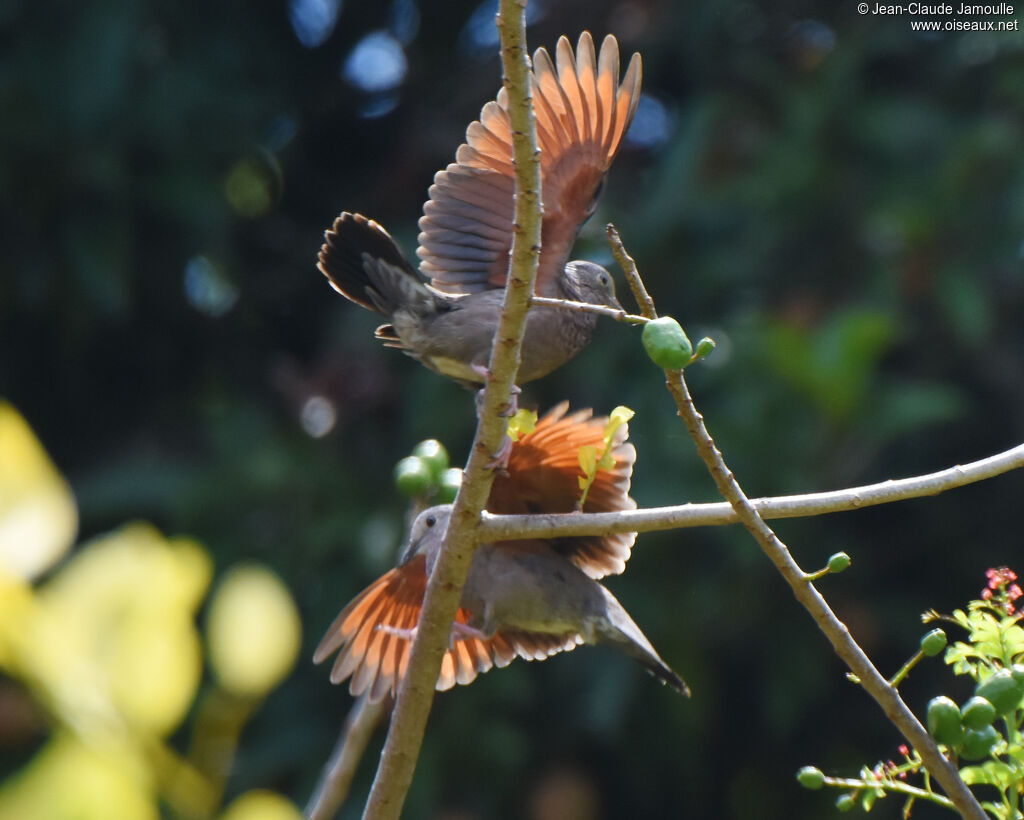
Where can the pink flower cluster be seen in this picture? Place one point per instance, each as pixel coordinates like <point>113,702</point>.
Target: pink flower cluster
<point>1001,582</point>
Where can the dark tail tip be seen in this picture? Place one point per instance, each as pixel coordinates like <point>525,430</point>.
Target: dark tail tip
<point>668,677</point>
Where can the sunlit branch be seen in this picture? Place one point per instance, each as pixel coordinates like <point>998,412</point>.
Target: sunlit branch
<point>416,692</point>
<point>720,513</point>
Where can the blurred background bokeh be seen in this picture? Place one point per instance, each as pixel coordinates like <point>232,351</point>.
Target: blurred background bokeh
<point>837,200</point>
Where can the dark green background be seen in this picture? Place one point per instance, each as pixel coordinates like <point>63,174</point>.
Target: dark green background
<point>839,202</point>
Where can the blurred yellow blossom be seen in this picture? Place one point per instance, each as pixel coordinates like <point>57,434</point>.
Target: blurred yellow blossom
<point>109,646</point>
<point>112,642</point>
<point>253,631</point>
<point>69,778</point>
<point>261,805</point>
<point>38,517</point>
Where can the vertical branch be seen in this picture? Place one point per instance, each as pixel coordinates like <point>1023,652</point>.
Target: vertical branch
<point>416,693</point>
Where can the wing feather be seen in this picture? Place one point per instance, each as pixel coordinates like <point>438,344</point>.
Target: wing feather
<point>582,111</point>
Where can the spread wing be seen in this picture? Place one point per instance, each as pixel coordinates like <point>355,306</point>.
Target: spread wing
<point>374,635</point>
<point>543,477</point>
<point>582,112</point>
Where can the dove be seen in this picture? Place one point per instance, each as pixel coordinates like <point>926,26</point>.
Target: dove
<point>526,598</point>
<point>448,323</point>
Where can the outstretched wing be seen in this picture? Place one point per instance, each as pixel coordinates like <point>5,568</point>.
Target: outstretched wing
<point>543,474</point>
<point>582,112</point>
<point>374,635</point>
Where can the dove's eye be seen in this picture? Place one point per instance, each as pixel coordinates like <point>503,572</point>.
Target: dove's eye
<point>430,520</point>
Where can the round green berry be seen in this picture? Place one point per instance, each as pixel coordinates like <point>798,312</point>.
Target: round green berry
<point>434,455</point>
<point>933,643</point>
<point>979,742</point>
<point>839,562</point>
<point>847,801</point>
<point>943,719</point>
<point>412,476</point>
<point>666,343</point>
<point>978,713</point>
<point>449,485</point>
<point>811,777</point>
<point>1002,690</point>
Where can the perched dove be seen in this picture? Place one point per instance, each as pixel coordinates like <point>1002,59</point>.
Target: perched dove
<point>527,598</point>
<point>582,112</point>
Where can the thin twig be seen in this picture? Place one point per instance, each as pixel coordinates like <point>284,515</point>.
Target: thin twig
<point>628,265</point>
<point>587,307</point>
<point>803,588</point>
<point>651,519</point>
<point>336,780</point>
<point>416,692</point>
<point>894,786</point>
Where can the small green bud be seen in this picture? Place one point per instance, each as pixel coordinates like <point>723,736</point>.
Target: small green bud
<point>1002,690</point>
<point>933,643</point>
<point>811,777</point>
<point>979,742</point>
<point>449,486</point>
<point>839,562</point>
<point>704,347</point>
<point>978,713</point>
<point>434,455</point>
<point>847,801</point>
<point>943,719</point>
<point>666,343</point>
<point>412,476</point>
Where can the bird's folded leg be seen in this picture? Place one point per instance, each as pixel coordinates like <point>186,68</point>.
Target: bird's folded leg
<point>464,631</point>
<point>511,406</point>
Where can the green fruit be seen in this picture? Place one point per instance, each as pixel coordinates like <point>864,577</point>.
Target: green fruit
<point>933,643</point>
<point>666,343</point>
<point>979,742</point>
<point>845,802</point>
<point>839,562</point>
<point>412,476</point>
<point>449,486</point>
<point>433,453</point>
<point>944,721</point>
<point>811,777</point>
<point>704,347</point>
<point>977,713</point>
<point>1002,690</point>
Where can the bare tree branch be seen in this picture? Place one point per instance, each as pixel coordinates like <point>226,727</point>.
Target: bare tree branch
<point>416,693</point>
<point>348,751</point>
<point>650,519</point>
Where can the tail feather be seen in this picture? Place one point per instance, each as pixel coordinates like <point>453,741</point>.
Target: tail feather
<point>356,255</point>
<point>617,629</point>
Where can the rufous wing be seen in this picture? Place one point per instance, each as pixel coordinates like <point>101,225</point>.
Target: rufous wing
<point>582,112</point>
<point>543,475</point>
<point>373,638</point>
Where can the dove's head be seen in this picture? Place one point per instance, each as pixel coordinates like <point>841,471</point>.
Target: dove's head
<point>591,283</point>
<point>427,534</point>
